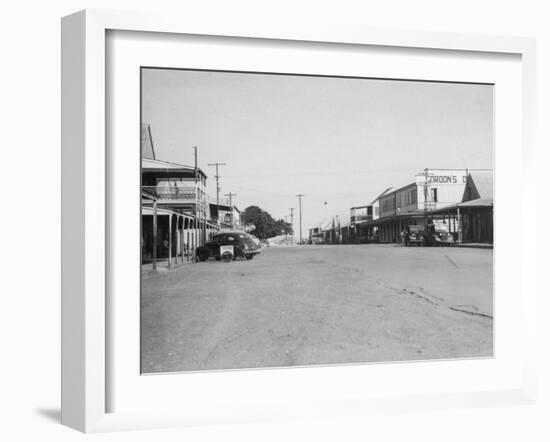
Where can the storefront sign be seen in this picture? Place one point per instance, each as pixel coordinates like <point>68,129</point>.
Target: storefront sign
<point>447,179</point>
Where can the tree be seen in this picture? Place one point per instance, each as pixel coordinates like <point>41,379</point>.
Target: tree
<point>265,225</point>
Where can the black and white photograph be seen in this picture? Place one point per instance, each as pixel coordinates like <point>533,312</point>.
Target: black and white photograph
<point>303,220</point>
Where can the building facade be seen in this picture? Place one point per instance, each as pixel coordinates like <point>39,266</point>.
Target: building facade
<point>412,203</point>
<point>174,215</point>
<point>227,217</point>
<point>456,201</point>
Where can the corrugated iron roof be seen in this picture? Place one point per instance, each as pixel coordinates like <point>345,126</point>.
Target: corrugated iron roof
<point>148,163</point>
<point>479,202</point>
<point>381,195</point>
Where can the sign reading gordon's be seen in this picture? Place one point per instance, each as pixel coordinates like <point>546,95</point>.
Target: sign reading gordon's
<point>443,177</point>
<point>447,179</point>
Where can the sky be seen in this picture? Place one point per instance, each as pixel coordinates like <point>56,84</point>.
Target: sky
<point>338,141</point>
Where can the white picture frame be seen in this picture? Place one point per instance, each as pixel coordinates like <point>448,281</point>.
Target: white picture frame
<point>85,202</point>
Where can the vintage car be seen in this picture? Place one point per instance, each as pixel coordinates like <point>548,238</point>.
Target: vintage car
<point>443,238</point>
<point>256,240</point>
<point>415,235</point>
<point>432,236</point>
<point>229,246</point>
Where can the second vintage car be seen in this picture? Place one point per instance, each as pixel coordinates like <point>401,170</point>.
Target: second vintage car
<point>229,246</point>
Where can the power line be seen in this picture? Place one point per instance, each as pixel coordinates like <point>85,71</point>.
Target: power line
<point>230,195</point>
<point>342,172</point>
<point>286,195</point>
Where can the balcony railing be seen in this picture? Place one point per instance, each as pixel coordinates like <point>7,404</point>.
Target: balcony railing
<point>361,218</point>
<point>182,194</point>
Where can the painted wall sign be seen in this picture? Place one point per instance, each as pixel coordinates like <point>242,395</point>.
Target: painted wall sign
<point>447,179</point>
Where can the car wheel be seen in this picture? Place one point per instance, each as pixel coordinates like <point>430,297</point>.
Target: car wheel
<point>249,257</point>
<point>203,254</point>
<point>227,256</point>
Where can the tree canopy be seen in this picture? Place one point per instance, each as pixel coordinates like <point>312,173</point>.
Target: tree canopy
<point>265,225</point>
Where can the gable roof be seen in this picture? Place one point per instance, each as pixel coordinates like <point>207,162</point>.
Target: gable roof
<point>479,186</point>
<point>150,165</point>
<point>147,149</point>
<point>382,194</point>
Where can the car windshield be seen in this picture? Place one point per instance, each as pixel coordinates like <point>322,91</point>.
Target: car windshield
<point>234,237</point>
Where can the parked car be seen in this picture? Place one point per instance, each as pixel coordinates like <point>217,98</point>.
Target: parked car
<point>415,235</point>
<point>444,238</point>
<point>256,240</point>
<point>229,246</point>
<point>433,235</point>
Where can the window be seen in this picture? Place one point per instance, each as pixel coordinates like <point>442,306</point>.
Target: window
<point>434,195</point>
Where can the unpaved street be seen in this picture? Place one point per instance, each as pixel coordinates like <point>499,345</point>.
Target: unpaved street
<point>319,305</point>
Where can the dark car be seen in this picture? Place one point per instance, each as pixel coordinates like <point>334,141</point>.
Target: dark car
<point>228,246</point>
<point>415,235</point>
<point>431,236</point>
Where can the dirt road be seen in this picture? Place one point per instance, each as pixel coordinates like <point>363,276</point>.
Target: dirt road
<point>319,305</point>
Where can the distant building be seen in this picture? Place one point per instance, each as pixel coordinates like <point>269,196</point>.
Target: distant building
<point>456,201</point>
<point>227,217</point>
<point>360,217</point>
<point>376,204</point>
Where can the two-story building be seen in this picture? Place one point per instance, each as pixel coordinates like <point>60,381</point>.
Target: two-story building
<point>412,203</point>
<point>459,201</point>
<point>226,216</point>
<point>174,207</point>
<point>360,218</point>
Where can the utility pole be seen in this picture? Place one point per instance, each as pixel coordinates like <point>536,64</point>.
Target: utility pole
<point>292,224</point>
<point>199,209</point>
<point>300,208</point>
<point>217,176</point>
<point>286,221</point>
<point>426,197</point>
<point>231,195</point>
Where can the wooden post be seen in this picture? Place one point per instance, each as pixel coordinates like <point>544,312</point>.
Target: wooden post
<point>176,231</point>
<point>182,242</point>
<point>193,223</point>
<point>187,239</point>
<point>459,225</point>
<point>155,235</point>
<point>170,241</point>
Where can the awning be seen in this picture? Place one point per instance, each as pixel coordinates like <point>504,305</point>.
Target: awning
<point>148,210</point>
<point>480,202</point>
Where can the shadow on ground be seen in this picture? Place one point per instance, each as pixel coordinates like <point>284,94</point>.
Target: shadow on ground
<point>51,414</point>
